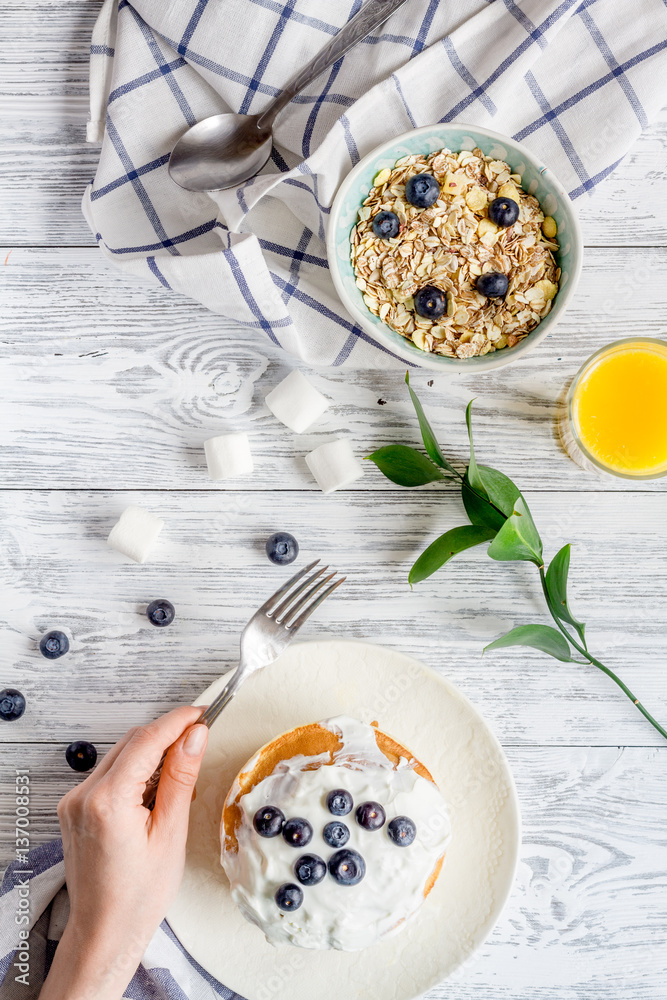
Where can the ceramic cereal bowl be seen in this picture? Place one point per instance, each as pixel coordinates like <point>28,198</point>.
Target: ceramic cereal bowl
<point>537,180</point>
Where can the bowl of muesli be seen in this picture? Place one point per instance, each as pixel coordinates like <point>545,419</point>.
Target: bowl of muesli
<point>454,247</point>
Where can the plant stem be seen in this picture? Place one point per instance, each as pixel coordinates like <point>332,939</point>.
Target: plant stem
<point>596,663</point>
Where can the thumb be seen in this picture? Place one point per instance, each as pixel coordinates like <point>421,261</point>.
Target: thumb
<point>177,781</point>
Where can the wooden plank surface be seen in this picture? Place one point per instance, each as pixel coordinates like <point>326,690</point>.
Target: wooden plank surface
<point>83,348</point>
<point>58,572</point>
<point>108,389</point>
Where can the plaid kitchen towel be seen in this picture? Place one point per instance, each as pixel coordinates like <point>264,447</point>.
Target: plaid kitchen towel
<point>576,81</point>
<point>37,888</point>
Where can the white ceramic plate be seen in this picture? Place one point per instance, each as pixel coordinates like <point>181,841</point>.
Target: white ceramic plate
<point>313,681</point>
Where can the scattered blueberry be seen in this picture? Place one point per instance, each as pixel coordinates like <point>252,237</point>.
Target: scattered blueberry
<point>370,815</point>
<point>402,831</point>
<point>339,802</point>
<point>12,705</point>
<point>493,284</point>
<point>297,832</point>
<point>289,896</point>
<point>430,302</point>
<point>282,548</point>
<point>347,867</point>
<point>504,212</point>
<point>161,612</point>
<point>53,644</point>
<point>336,834</point>
<point>386,225</point>
<point>268,821</point>
<point>422,190</point>
<point>81,756</point>
<point>310,869</point>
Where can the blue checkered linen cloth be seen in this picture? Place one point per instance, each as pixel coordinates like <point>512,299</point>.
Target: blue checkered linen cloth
<point>167,971</point>
<point>576,81</point>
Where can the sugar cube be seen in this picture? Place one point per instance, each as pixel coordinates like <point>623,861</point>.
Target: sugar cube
<point>135,533</point>
<point>296,403</point>
<point>228,456</point>
<point>334,465</point>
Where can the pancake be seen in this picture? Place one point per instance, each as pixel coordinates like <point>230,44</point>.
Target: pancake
<point>293,775</point>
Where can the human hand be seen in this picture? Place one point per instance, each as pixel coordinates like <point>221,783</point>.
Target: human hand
<point>124,864</point>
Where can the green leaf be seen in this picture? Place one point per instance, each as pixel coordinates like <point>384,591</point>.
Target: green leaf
<point>442,549</point>
<point>428,437</point>
<point>500,489</point>
<point>479,510</point>
<point>406,466</point>
<point>542,637</point>
<point>556,581</point>
<point>474,478</point>
<point>502,496</point>
<point>518,539</point>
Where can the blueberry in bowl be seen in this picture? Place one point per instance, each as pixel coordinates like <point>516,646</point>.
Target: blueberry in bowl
<point>493,284</point>
<point>504,212</point>
<point>430,302</point>
<point>386,225</point>
<point>422,190</point>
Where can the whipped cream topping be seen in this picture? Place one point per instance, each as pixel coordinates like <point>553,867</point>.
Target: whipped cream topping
<point>335,916</point>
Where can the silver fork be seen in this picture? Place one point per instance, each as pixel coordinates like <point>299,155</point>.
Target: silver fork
<point>265,637</point>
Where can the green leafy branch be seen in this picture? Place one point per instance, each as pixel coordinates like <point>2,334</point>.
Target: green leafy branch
<point>499,515</point>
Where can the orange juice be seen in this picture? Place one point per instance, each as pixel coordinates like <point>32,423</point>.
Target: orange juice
<point>618,408</point>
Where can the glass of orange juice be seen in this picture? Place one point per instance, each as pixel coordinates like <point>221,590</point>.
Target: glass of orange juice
<point>617,408</point>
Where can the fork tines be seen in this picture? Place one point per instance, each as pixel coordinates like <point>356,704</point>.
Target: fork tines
<point>300,602</point>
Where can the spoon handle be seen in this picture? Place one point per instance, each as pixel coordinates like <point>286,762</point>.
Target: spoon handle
<point>371,15</point>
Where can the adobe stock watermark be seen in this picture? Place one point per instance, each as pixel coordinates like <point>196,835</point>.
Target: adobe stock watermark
<point>390,694</point>
<point>22,879</point>
<point>282,974</point>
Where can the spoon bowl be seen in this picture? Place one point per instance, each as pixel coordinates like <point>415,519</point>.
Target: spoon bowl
<point>220,152</point>
<point>225,150</point>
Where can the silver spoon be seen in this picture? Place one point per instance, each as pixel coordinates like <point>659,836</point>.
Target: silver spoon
<point>225,150</point>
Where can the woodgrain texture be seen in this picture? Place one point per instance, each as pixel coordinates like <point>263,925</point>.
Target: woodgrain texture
<point>209,561</point>
<point>108,388</point>
<point>83,348</point>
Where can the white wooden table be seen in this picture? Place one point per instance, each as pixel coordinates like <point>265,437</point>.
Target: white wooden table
<point>108,390</point>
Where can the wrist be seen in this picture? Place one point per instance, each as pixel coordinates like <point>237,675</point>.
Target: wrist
<point>92,966</point>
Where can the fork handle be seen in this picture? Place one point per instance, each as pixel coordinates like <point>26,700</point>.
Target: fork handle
<point>207,718</point>
<point>220,703</point>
